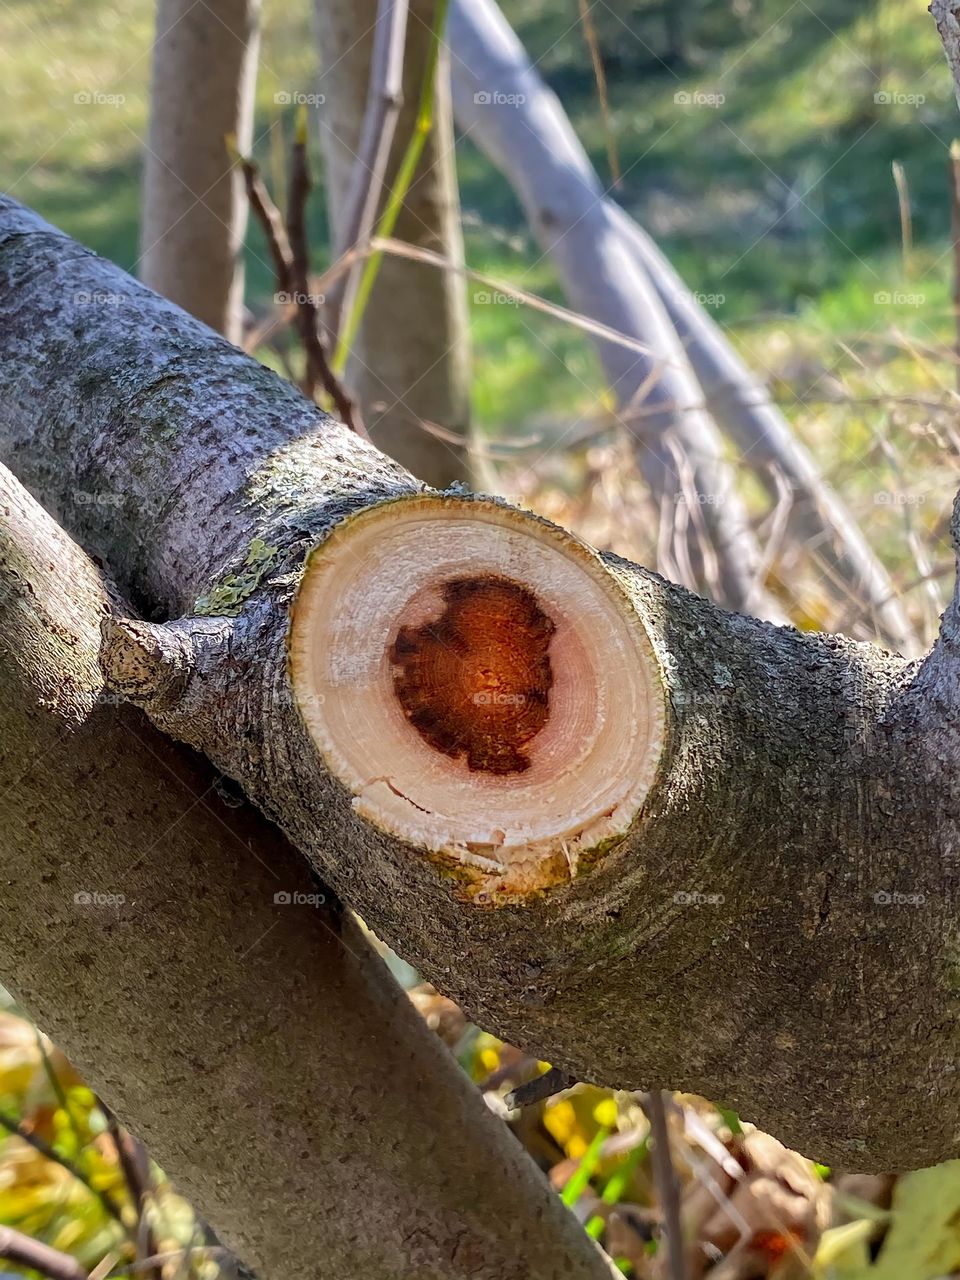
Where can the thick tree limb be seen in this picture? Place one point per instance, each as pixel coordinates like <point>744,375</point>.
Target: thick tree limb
<point>653,842</point>
<point>194,210</point>
<point>508,111</point>
<point>183,955</point>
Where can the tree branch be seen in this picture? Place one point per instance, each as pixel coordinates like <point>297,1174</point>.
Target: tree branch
<point>196,972</point>
<point>652,842</point>
<point>318,368</point>
<point>378,58</point>
<point>19,1249</point>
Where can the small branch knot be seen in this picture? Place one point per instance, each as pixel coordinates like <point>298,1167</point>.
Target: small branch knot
<point>145,662</point>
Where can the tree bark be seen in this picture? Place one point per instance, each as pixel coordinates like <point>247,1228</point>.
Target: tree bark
<point>764,912</point>
<point>502,102</point>
<point>216,995</point>
<point>194,204</point>
<point>410,366</point>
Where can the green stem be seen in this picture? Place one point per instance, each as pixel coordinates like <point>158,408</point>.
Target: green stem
<point>398,193</point>
<point>577,1183</point>
<point>616,1185</point>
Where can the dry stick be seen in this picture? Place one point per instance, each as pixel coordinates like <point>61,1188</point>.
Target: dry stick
<point>308,316</point>
<point>18,1130</point>
<point>135,1166</point>
<point>384,99</point>
<point>20,1249</point>
<point>597,267</point>
<point>665,1177</point>
<point>270,220</point>
<point>590,34</point>
<point>540,1088</point>
<point>400,188</point>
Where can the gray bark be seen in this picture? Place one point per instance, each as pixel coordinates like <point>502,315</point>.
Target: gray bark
<point>260,1048</point>
<point>523,128</point>
<point>410,365</point>
<point>776,931</point>
<point>194,205</point>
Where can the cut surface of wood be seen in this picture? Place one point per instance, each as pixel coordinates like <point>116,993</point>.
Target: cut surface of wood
<point>479,681</point>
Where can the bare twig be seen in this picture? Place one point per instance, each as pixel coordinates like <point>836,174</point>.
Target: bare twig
<point>18,1130</point>
<point>665,1177</point>
<point>384,100</point>
<point>590,34</point>
<point>135,1167</point>
<point>24,1252</point>
<point>317,366</point>
<point>545,1086</point>
<point>268,215</point>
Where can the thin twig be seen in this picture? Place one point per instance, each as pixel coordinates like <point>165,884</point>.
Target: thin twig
<point>18,1130</point>
<point>551,1082</point>
<point>268,215</point>
<point>665,1177</point>
<point>25,1252</point>
<point>381,113</point>
<point>308,316</point>
<point>135,1166</point>
<point>593,44</point>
